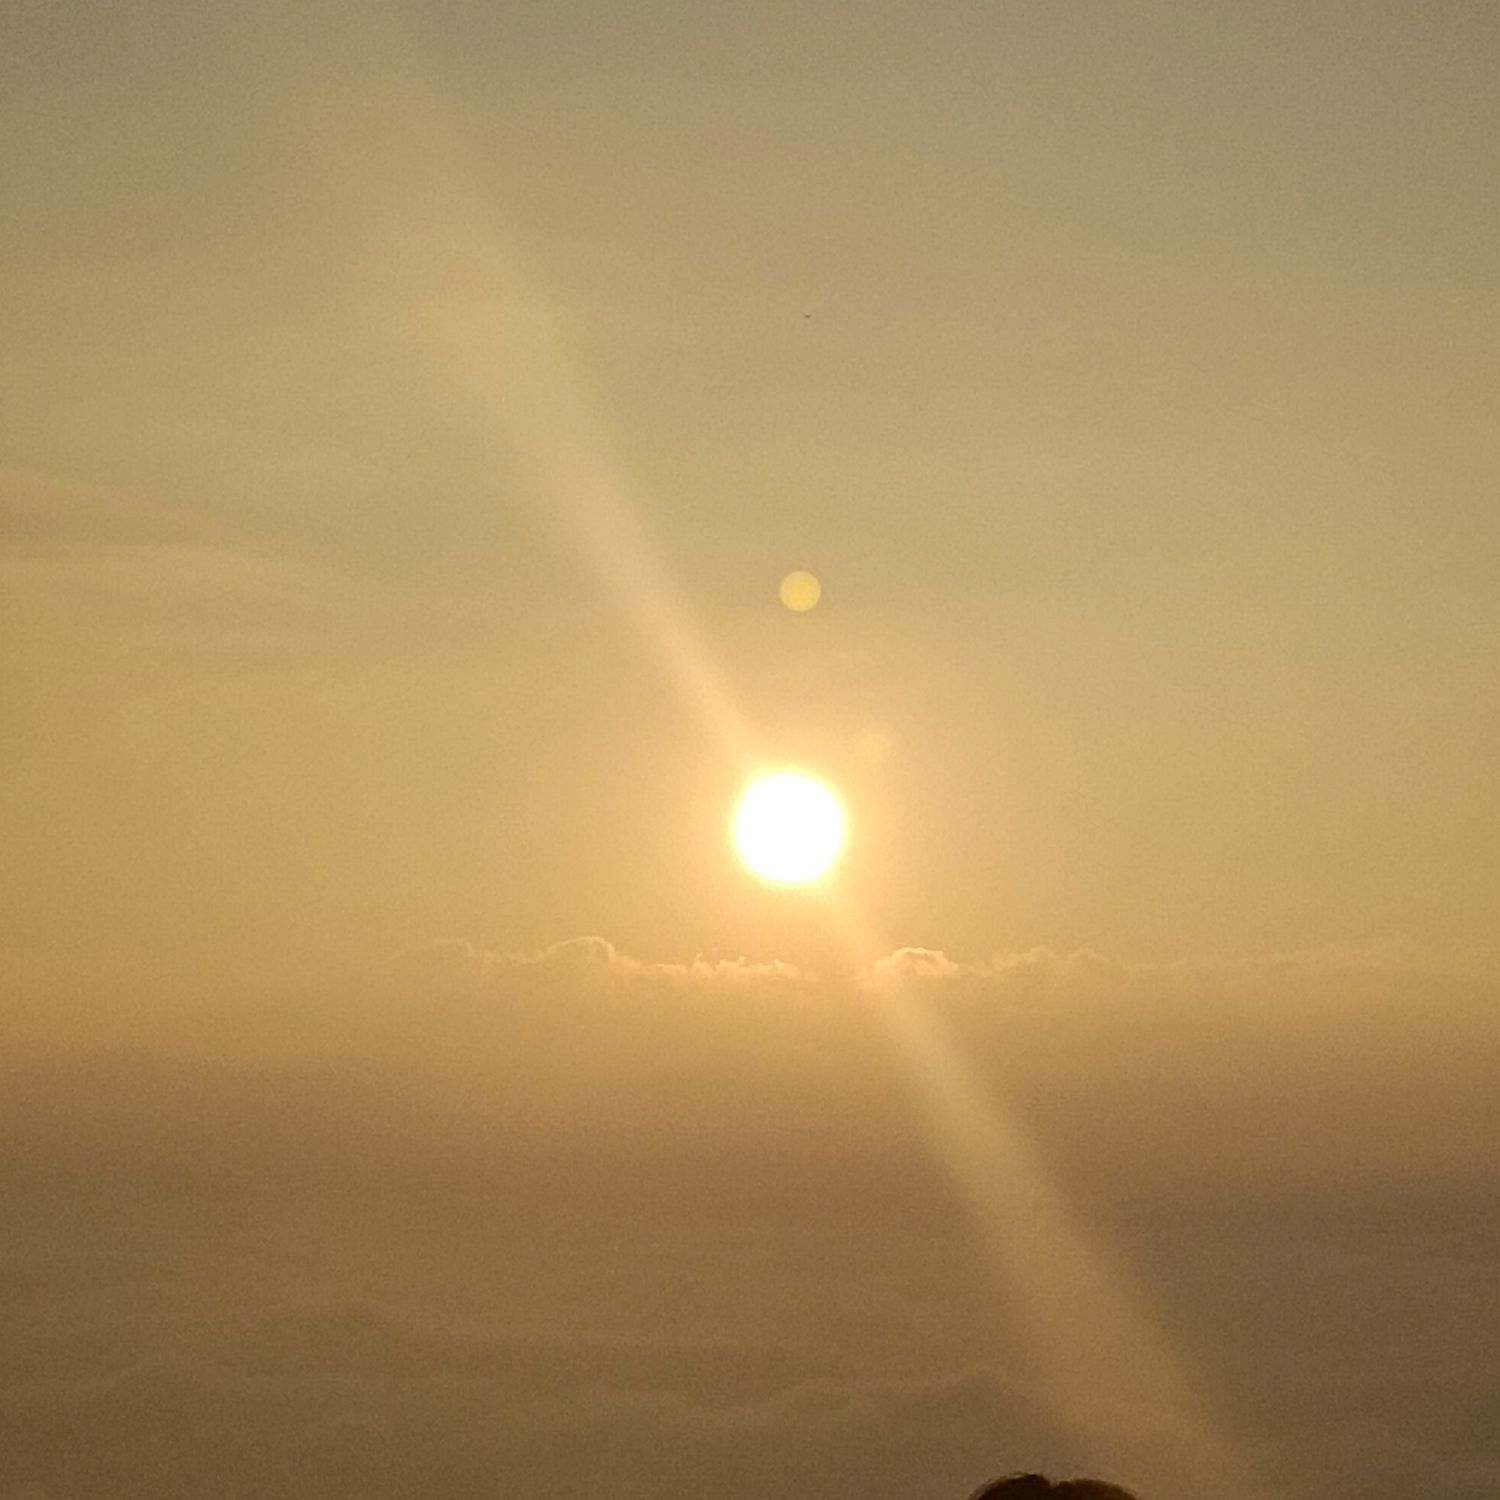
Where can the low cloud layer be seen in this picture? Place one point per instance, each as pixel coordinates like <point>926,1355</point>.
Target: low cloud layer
<point>481,1224</point>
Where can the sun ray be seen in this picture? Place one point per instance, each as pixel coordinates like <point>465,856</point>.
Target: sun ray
<point>1111,1377</point>
<point>502,346</point>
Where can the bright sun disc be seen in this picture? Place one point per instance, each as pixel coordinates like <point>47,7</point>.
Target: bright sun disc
<point>789,827</point>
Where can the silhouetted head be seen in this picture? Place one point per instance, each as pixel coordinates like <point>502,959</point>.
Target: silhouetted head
<point>1036,1487</point>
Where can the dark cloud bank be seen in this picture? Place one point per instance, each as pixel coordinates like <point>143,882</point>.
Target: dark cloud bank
<point>484,1225</point>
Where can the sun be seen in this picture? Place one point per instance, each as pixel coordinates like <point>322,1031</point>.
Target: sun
<point>789,827</point>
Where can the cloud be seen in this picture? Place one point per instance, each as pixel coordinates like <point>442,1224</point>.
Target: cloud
<point>1016,978</point>
<point>590,961</point>
<point>355,1405</point>
<point>1376,976</point>
<point>415,1341</point>
<point>43,511</point>
<point>1330,970</point>
<point>1212,1075</point>
<point>149,625</point>
<point>482,1220</point>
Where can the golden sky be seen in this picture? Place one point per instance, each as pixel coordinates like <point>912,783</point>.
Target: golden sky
<point>1125,374</point>
<point>407,418</point>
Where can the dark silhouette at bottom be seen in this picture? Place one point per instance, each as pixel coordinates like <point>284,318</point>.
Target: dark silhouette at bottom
<point>1037,1487</point>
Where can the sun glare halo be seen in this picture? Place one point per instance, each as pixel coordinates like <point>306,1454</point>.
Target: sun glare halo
<point>789,827</point>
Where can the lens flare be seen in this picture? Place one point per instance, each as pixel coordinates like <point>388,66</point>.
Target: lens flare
<point>800,591</point>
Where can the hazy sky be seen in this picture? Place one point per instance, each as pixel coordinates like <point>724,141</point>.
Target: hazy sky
<point>406,417</point>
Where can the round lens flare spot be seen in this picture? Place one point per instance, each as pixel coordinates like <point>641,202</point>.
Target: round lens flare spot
<point>800,591</point>
<point>789,828</point>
